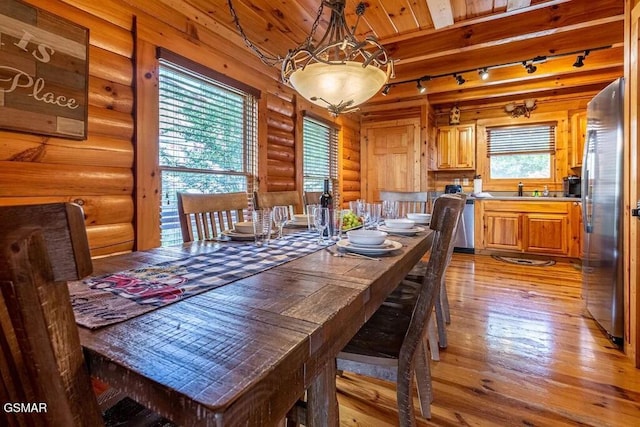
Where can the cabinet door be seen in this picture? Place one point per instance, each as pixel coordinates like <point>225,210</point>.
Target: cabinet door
<point>578,133</point>
<point>465,147</point>
<point>546,233</point>
<point>444,146</point>
<point>502,231</point>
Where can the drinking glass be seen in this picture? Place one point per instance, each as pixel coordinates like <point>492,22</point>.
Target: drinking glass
<point>280,216</point>
<point>262,226</point>
<point>373,214</point>
<point>336,224</point>
<point>389,209</point>
<point>321,220</point>
<point>311,211</point>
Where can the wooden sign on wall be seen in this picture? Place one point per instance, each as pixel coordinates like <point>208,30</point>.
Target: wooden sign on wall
<point>44,72</point>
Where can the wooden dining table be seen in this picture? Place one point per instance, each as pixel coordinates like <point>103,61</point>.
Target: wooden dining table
<point>245,352</point>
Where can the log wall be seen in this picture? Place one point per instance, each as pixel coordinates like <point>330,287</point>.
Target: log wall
<point>96,173</point>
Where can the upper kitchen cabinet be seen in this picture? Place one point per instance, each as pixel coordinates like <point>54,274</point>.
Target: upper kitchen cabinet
<point>456,147</point>
<point>578,133</point>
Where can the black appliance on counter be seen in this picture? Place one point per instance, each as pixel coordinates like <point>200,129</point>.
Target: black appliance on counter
<point>452,189</point>
<point>571,186</point>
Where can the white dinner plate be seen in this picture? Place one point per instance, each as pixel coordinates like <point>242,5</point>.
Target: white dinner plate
<point>404,231</point>
<point>346,245</point>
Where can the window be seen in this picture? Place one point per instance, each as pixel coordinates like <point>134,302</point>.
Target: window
<point>208,138</point>
<point>320,156</point>
<point>521,152</point>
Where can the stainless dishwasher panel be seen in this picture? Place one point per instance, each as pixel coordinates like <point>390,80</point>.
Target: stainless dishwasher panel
<point>464,234</point>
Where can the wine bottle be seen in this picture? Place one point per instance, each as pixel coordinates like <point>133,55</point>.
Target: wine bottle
<point>326,200</point>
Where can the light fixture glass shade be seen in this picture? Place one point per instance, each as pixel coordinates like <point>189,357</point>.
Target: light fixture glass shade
<point>339,72</point>
<point>338,84</point>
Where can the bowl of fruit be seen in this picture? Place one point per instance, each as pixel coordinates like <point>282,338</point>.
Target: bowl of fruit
<point>350,221</point>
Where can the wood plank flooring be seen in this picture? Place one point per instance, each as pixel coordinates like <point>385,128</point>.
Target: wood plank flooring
<point>522,351</point>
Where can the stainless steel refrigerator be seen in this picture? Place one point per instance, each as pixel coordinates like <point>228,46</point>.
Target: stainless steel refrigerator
<point>602,210</point>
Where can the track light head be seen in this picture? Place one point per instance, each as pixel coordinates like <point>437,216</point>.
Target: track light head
<point>579,61</point>
<point>385,90</point>
<point>530,67</point>
<point>483,73</point>
<point>421,88</point>
<point>459,79</point>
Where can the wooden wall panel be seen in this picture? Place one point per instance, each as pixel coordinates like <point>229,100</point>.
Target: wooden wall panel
<point>281,148</point>
<point>96,173</point>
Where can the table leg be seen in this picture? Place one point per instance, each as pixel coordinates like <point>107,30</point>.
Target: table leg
<point>322,403</point>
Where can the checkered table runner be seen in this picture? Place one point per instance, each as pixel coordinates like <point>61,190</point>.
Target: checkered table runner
<point>112,298</point>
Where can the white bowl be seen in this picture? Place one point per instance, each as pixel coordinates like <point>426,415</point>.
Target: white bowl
<point>421,218</point>
<point>399,223</point>
<point>366,237</point>
<point>245,227</point>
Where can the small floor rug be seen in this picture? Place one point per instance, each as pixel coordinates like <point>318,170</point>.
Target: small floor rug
<point>525,261</point>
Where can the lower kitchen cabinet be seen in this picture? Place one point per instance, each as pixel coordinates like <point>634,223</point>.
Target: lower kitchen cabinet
<point>543,228</point>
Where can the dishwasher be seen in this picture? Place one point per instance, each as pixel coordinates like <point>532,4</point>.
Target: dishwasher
<point>464,233</point>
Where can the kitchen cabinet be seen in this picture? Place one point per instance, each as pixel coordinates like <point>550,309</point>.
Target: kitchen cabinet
<point>578,136</point>
<point>456,147</point>
<point>533,227</point>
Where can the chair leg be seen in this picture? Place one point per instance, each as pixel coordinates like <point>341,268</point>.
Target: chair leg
<point>423,382</point>
<point>442,330</point>
<point>445,302</point>
<point>432,339</point>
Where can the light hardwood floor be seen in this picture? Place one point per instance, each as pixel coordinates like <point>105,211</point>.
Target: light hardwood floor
<point>522,351</point>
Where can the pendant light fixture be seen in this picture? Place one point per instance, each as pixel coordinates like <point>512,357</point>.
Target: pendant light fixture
<point>339,72</point>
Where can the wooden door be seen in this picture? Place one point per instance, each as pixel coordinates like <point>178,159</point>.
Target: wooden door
<point>392,156</point>
<point>502,231</point>
<point>546,233</point>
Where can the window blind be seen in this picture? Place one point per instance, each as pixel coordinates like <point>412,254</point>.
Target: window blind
<point>320,150</point>
<point>538,138</point>
<point>208,140</point>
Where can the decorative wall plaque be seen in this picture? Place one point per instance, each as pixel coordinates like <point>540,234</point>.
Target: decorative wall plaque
<point>44,72</point>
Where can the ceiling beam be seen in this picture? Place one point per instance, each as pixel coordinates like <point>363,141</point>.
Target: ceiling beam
<point>575,15</point>
<point>585,38</point>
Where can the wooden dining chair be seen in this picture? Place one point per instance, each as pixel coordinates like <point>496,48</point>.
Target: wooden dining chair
<point>41,362</point>
<point>210,213</point>
<point>407,201</point>
<point>269,199</point>
<point>311,198</point>
<point>391,344</point>
<point>442,312</point>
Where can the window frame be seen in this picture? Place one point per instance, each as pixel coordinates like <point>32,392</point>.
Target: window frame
<point>249,118</point>
<point>558,167</point>
<point>333,155</point>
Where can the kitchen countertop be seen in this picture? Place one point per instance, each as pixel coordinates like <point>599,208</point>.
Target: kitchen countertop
<point>531,199</point>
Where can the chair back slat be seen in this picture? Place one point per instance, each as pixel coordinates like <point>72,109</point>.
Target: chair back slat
<point>407,201</point>
<point>444,221</point>
<point>211,213</point>
<point>270,199</point>
<point>42,359</point>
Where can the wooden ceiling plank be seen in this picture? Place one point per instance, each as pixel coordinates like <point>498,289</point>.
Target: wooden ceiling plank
<point>402,16</point>
<point>517,4</point>
<point>441,13</point>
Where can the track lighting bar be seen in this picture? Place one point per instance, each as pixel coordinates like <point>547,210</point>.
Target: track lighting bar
<point>528,64</point>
